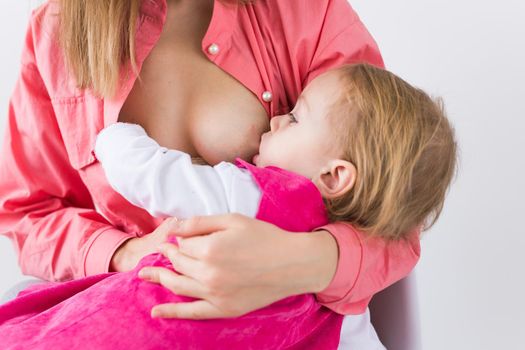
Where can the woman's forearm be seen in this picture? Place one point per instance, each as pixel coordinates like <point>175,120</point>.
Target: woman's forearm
<point>313,262</point>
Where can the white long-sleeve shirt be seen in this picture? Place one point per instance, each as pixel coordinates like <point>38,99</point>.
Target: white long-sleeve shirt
<point>166,183</point>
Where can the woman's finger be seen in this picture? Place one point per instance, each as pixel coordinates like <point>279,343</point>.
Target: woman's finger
<point>194,247</point>
<point>195,310</point>
<point>178,284</point>
<point>203,225</point>
<point>182,263</point>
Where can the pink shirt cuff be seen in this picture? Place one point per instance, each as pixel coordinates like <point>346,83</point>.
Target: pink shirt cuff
<point>348,264</point>
<point>103,245</point>
<point>365,266</point>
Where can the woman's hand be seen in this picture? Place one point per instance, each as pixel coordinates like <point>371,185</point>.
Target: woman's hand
<point>236,264</point>
<point>128,255</point>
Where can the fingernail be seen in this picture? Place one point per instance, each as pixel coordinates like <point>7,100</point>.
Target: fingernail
<point>161,248</point>
<point>175,224</point>
<point>155,313</point>
<point>145,274</point>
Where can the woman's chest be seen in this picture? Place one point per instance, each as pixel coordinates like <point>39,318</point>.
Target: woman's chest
<point>186,102</point>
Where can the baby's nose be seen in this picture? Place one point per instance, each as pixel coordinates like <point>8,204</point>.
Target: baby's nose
<point>275,122</point>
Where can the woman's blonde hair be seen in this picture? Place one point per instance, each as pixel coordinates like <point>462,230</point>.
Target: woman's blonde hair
<point>403,148</point>
<point>98,38</point>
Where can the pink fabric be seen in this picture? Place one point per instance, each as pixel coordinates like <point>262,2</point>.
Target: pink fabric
<point>285,210</point>
<point>56,206</point>
<point>112,311</point>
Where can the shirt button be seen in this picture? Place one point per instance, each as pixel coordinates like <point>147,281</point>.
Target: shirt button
<point>267,96</point>
<point>213,49</point>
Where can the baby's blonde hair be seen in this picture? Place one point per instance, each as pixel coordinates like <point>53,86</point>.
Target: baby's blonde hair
<point>403,148</point>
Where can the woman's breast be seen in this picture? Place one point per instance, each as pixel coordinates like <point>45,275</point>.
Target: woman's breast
<point>226,120</point>
<point>195,107</point>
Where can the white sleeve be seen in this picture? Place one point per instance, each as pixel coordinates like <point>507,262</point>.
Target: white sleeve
<point>166,183</point>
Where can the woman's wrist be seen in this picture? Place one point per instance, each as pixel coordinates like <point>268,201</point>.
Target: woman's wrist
<point>119,260</point>
<point>315,256</point>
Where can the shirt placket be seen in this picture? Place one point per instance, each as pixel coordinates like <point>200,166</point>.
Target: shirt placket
<point>218,40</point>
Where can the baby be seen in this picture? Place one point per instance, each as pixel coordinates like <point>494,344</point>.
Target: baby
<point>380,152</point>
<point>361,145</point>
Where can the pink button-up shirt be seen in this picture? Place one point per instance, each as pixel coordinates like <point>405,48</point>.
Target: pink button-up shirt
<point>56,206</point>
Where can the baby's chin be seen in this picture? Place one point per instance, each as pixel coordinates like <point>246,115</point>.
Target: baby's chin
<point>260,161</point>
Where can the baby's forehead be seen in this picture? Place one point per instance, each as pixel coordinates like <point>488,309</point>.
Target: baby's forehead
<point>329,77</point>
<point>325,89</point>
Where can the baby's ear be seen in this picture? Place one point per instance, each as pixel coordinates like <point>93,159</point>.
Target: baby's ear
<point>336,178</point>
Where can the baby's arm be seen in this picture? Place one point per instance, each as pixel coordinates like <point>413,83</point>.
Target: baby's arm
<point>165,182</point>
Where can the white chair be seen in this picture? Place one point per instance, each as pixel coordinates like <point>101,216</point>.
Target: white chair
<point>395,315</point>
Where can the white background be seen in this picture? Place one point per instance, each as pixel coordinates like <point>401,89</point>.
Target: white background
<point>471,275</point>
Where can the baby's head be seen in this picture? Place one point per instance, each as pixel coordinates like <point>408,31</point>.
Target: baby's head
<point>381,152</point>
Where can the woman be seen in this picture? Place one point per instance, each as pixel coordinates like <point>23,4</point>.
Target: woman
<point>198,60</point>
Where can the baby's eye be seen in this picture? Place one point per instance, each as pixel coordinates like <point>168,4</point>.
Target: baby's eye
<point>292,118</point>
